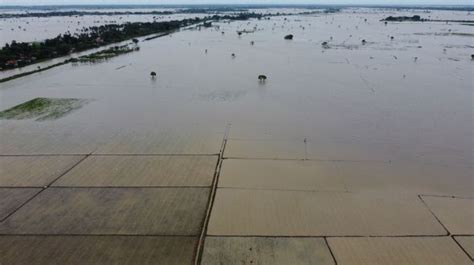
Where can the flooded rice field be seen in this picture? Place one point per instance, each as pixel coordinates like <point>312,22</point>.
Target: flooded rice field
<point>403,98</point>
<point>358,144</point>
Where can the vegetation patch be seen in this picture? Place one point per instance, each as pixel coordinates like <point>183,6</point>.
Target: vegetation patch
<point>43,109</point>
<point>105,54</point>
<point>415,18</point>
<point>463,34</point>
<point>81,13</point>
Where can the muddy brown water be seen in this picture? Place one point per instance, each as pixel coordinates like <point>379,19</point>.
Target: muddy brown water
<point>350,101</point>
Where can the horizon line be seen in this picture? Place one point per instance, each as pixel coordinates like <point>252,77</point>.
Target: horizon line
<point>240,4</point>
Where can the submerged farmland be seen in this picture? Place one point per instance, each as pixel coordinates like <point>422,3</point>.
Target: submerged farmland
<point>226,143</point>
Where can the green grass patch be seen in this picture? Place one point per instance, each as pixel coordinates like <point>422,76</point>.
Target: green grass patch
<point>43,109</point>
<point>106,54</point>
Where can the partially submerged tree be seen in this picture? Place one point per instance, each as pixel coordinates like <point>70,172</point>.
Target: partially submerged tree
<point>289,37</point>
<point>262,78</point>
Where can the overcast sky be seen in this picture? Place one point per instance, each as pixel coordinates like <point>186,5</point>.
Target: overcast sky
<point>98,2</point>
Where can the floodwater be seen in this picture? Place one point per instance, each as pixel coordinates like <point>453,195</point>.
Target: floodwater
<point>39,28</point>
<point>372,143</point>
<point>409,99</point>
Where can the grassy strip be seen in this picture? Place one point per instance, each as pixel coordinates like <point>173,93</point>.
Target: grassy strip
<point>158,36</point>
<point>43,109</point>
<point>105,54</point>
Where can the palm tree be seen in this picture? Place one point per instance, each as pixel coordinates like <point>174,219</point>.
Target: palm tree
<point>153,75</point>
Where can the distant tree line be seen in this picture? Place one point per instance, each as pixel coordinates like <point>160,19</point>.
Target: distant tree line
<point>417,18</point>
<point>82,13</point>
<point>208,10</point>
<point>18,54</point>
<point>414,18</point>
<point>214,9</point>
<point>195,10</point>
